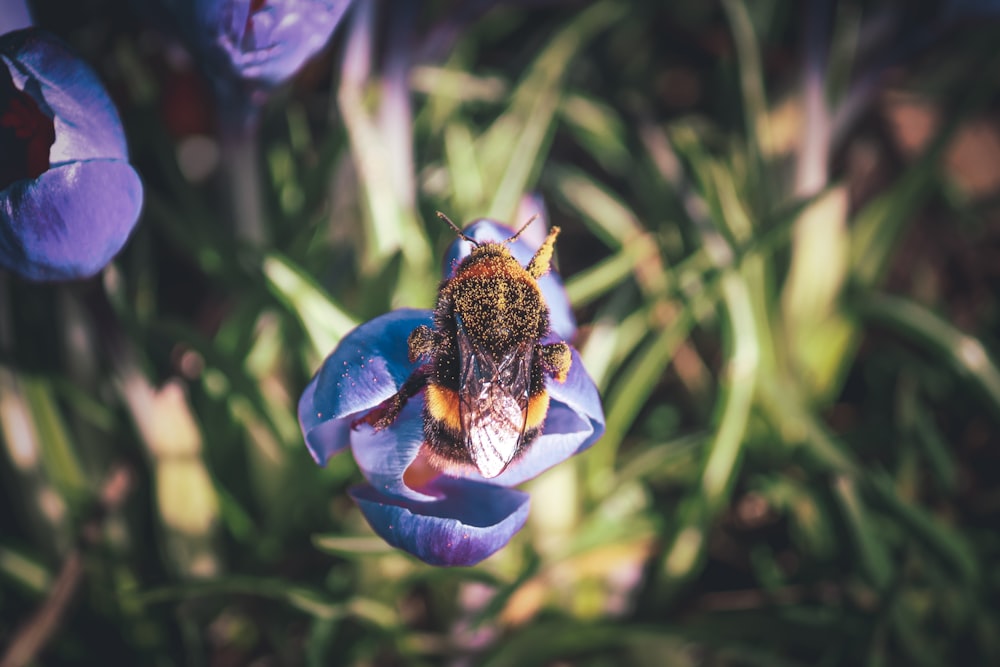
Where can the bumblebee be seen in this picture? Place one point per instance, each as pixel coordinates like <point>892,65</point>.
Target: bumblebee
<point>485,365</point>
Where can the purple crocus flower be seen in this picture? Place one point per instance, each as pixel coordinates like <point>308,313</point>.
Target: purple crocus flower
<point>441,518</point>
<point>68,196</point>
<point>260,41</point>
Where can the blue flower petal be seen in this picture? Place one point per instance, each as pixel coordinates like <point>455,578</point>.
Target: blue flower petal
<point>68,91</point>
<point>575,421</point>
<point>70,221</point>
<point>469,521</point>
<point>561,318</point>
<point>369,365</point>
<point>324,437</point>
<point>384,456</point>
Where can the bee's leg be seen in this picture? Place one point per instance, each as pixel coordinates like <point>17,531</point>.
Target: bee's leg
<point>422,341</point>
<point>386,412</point>
<point>556,359</point>
<point>539,264</point>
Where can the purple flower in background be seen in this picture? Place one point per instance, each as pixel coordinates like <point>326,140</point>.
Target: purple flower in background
<point>442,518</point>
<point>247,47</point>
<point>260,41</point>
<point>68,196</point>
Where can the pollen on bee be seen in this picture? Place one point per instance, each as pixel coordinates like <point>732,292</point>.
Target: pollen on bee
<point>501,296</point>
<point>542,261</point>
<point>557,359</point>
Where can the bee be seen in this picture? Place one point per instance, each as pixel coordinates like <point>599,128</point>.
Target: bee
<point>485,365</point>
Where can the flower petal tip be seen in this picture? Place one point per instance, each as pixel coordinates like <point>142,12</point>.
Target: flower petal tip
<point>467,524</point>
<point>324,437</point>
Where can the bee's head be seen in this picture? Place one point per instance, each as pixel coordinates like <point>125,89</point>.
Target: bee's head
<point>477,244</point>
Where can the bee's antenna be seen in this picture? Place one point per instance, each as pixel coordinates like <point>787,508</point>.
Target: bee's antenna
<point>523,227</point>
<point>457,229</point>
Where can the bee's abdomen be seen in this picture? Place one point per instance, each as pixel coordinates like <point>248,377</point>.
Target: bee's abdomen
<point>447,447</point>
<point>442,405</point>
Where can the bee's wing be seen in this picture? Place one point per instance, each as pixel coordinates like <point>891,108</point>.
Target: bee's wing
<point>493,401</point>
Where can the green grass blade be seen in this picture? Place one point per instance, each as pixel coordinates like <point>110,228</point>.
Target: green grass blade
<point>964,353</point>
<point>324,321</point>
<point>523,134</point>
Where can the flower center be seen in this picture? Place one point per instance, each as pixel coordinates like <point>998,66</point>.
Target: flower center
<point>421,472</point>
<point>26,134</point>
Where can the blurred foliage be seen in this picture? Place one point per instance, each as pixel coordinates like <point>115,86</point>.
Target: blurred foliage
<point>780,229</point>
